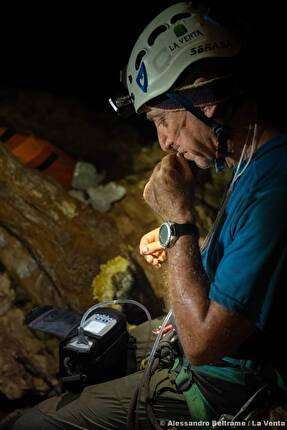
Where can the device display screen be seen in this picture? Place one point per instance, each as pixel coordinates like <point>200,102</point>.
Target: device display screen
<point>95,326</point>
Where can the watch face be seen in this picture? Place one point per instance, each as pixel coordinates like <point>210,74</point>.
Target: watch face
<point>164,235</point>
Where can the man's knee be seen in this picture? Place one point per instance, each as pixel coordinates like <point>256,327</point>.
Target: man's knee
<point>34,419</point>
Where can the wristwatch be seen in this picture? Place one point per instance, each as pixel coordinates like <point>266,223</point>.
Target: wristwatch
<point>170,231</point>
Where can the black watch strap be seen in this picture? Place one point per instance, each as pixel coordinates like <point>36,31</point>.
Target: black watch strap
<point>185,229</point>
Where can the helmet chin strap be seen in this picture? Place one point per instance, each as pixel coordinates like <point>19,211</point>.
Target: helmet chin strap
<point>221,132</point>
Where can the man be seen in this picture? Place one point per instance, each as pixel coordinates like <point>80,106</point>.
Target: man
<point>228,299</point>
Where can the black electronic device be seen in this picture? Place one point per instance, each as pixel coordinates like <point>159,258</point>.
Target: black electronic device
<point>92,350</point>
<point>97,352</point>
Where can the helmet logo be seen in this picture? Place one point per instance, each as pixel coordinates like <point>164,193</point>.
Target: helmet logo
<point>180,30</point>
<point>141,78</point>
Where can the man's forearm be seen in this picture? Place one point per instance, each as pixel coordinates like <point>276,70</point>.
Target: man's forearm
<point>188,288</point>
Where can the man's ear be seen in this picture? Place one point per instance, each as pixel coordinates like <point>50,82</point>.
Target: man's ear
<point>209,110</point>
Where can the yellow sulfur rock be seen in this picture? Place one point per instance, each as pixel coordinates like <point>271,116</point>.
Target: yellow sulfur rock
<point>104,286</point>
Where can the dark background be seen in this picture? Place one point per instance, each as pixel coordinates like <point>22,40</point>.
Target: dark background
<point>78,48</point>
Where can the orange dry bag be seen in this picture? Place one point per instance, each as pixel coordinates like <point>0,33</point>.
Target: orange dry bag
<point>39,154</point>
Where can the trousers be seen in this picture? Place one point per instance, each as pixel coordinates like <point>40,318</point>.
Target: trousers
<point>106,406</point>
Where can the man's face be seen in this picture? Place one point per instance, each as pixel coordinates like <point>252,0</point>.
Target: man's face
<point>181,132</point>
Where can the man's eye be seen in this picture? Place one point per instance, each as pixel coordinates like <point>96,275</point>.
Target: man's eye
<point>162,122</point>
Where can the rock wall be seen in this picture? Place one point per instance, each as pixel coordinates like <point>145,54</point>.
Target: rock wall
<point>52,247</point>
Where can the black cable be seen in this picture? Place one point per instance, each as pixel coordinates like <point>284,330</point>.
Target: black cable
<point>164,352</point>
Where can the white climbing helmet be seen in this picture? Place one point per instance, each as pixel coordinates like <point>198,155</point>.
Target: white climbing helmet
<point>175,39</point>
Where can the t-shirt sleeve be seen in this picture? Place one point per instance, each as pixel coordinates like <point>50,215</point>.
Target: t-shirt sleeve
<point>253,265</point>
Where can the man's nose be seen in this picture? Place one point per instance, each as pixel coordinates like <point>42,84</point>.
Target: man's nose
<point>163,142</point>
<point>166,144</point>
<point>169,144</point>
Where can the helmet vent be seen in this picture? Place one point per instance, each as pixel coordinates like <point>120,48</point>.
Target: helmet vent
<point>179,16</point>
<point>130,78</point>
<point>154,35</point>
<point>139,58</point>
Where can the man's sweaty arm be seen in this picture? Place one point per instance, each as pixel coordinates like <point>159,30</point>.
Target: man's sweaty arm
<point>207,330</point>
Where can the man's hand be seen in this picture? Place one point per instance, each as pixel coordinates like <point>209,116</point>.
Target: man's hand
<point>169,191</point>
<point>151,249</point>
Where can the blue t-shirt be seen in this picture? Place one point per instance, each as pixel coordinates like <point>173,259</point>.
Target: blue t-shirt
<point>247,261</point>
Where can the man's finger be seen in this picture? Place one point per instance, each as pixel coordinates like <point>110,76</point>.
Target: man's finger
<point>157,167</point>
<point>149,259</point>
<point>162,257</point>
<point>169,160</point>
<point>151,248</point>
<point>144,243</point>
<point>185,166</point>
<point>145,191</point>
<point>156,254</point>
<point>172,161</point>
<point>148,238</point>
